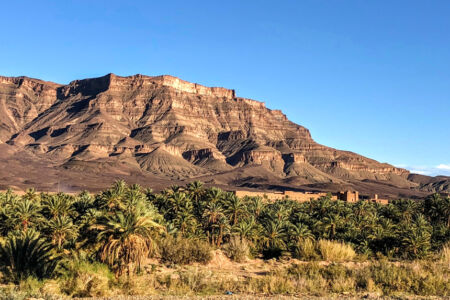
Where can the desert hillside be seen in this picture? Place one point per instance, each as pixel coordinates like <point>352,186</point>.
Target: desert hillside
<point>161,130</point>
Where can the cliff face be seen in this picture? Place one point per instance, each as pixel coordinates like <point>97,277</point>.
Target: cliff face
<point>22,99</point>
<point>168,126</point>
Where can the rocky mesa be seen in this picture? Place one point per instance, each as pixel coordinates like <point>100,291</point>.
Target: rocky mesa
<point>163,130</point>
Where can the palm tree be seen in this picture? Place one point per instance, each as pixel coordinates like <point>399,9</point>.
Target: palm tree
<point>405,209</point>
<point>282,212</point>
<point>300,232</point>
<point>178,201</point>
<point>274,234</point>
<point>320,207</point>
<point>256,206</point>
<point>112,198</point>
<point>416,237</point>
<point>197,193</point>
<point>25,254</point>
<point>234,208</point>
<point>109,200</point>
<point>171,190</point>
<point>59,205</point>
<point>31,195</point>
<point>438,209</point>
<point>185,221</point>
<point>214,195</point>
<point>416,244</point>
<point>26,213</point>
<point>329,225</point>
<point>61,229</point>
<point>133,196</point>
<point>223,228</point>
<point>196,190</point>
<point>126,238</point>
<point>8,201</point>
<point>247,229</point>
<point>360,208</point>
<point>213,213</point>
<point>86,223</point>
<point>83,203</point>
<point>9,197</point>
<point>214,216</point>
<point>445,209</point>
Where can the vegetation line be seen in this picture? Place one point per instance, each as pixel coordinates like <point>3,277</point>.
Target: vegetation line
<point>127,240</point>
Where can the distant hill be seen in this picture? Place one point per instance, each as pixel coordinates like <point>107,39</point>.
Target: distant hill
<point>162,130</point>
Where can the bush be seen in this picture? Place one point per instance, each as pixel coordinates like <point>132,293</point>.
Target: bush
<point>305,250</point>
<point>181,251</point>
<point>237,249</point>
<point>335,251</point>
<point>84,279</point>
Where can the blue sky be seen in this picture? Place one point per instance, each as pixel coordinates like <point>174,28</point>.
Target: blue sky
<point>372,77</point>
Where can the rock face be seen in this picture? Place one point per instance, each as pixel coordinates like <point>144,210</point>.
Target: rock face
<point>22,99</point>
<point>170,128</point>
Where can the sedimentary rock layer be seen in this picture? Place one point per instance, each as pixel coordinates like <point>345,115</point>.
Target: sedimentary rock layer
<point>170,127</point>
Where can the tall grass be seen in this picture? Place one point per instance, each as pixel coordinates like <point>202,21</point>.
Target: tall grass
<point>305,250</point>
<point>335,251</point>
<point>237,249</point>
<point>445,255</point>
<point>182,251</point>
<point>425,278</point>
<point>84,279</point>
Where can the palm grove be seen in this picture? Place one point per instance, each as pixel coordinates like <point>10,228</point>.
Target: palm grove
<point>124,225</point>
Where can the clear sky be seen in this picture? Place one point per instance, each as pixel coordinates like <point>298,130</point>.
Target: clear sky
<point>372,77</point>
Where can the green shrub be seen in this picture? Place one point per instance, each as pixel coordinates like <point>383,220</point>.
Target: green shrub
<point>237,249</point>
<point>335,251</point>
<point>181,251</point>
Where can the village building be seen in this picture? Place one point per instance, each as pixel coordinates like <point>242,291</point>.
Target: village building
<point>348,196</point>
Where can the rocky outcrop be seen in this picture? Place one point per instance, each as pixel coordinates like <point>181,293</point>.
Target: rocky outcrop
<point>22,99</point>
<point>168,126</point>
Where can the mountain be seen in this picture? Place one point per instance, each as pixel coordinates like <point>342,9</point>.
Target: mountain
<point>162,130</point>
<point>437,184</point>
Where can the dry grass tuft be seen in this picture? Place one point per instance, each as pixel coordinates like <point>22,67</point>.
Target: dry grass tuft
<point>445,255</point>
<point>305,250</point>
<point>237,249</point>
<point>335,251</point>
